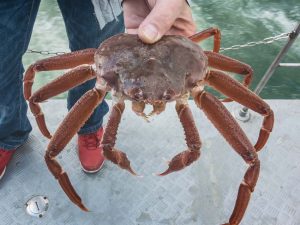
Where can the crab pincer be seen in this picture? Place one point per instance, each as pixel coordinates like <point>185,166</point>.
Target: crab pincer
<point>119,158</point>
<point>110,136</point>
<point>192,138</point>
<point>181,161</point>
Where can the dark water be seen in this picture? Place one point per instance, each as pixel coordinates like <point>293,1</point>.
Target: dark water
<point>240,22</point>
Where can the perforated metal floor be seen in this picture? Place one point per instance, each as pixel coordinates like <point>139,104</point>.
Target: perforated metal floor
<point>202,194</point>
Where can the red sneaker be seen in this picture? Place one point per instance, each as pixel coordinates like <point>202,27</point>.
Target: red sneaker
<point>89,151</point>
<point>5,156</point>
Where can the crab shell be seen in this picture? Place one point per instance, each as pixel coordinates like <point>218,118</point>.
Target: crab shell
<point>151,73</point>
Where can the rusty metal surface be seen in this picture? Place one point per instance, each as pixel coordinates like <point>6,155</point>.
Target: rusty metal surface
<point>202,194</point>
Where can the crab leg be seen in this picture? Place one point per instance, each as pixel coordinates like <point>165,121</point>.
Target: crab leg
<point>110,136</point>
<point>234,135</point>
<point>228,64</point>
<point>234,90</point>
<point>77,116</point>
<point>200,36</point>
<point>192,138</point>
<point>63,83</point>
<point>60,62</point>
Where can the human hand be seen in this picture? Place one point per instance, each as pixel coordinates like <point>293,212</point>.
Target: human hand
<point>151,19</point>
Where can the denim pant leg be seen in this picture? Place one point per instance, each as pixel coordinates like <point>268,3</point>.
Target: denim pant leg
<point>16,22</point>
<point>84,32</point>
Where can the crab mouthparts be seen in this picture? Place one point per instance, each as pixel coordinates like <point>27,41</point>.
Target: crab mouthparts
<point>158,107</point>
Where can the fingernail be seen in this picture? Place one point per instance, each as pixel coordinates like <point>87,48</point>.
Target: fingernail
<point>149,33</point>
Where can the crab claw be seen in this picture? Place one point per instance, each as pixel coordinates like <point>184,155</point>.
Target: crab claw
<point>181,161</point>
<point>158,107</point>
<point>119,158</point>
<point>64,181</point>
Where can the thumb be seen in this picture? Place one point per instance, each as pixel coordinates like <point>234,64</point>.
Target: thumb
<point>160,20</point>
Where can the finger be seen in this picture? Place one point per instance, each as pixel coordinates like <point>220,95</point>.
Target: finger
<point>160,20</point>
<point>132,31</point>
<point>186,25</point>
<point>173,31</point>
<point>134,13</point>
<point>177,31</point>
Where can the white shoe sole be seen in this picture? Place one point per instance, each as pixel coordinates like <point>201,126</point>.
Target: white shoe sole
<point>92,171</point>
<point>2,173</point>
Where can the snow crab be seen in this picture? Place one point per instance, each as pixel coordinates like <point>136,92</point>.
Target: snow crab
<point>170,70</point>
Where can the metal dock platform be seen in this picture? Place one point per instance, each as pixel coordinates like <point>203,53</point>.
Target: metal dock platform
<point>202,194</point>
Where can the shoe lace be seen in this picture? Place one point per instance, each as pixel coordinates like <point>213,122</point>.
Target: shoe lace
<point>91,141</point>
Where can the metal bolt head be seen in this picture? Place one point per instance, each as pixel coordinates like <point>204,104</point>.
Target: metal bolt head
<point>242,115</point>
<point>37,206</point>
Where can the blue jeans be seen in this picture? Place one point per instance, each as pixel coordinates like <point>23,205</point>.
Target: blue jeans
<point>16,22</point>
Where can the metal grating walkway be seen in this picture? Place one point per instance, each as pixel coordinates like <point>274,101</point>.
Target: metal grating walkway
<point>202,194</point>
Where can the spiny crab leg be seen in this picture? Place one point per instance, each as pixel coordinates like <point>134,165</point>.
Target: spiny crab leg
<point>235,136</point>
<point>110,136</point>
<point>193,141</point>
<point>60,62</point>
<point>77,116</point>
<point>71,79</point>
<point>225,63</point>
<point>212,31</point>
<point>63,83</point>
<point>236,91</point>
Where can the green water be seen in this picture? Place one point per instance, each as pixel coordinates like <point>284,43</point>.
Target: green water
<point>240,21</point>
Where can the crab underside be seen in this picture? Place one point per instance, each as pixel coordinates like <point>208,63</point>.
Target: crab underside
<point>170,70</point>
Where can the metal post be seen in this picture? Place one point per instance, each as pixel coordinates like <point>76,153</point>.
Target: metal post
<point>243,114</point>
<point>289,64</point>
